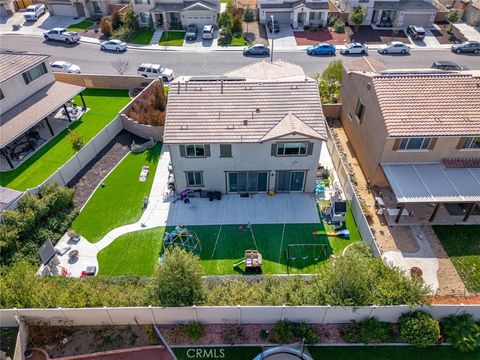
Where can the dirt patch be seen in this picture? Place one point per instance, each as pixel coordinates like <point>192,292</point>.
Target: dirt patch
<point>93,32</point>
<point>444,37</point>
<point>256,33</point>
<point>88,179</point>
<point>311,37</point>
<point>243,4</point>
<point>60,341</point>
<point>449,299</point>
<point>367,35</point>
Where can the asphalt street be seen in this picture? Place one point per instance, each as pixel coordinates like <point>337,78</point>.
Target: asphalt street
<point>92,60</point>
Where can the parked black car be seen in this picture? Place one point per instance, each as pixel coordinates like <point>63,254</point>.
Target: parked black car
<point>192,32</point>
<point>416,32</point>
<point>257,49</point>
<point>467,46</point>
<point>448,65</point>
<point>273,26</point>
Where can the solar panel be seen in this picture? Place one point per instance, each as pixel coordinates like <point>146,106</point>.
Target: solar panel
<point>46,251</point>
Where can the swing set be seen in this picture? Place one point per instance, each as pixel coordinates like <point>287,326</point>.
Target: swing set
<point>303,252</point>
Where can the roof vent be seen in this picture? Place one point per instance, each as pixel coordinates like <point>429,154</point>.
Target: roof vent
<point>369,86</point>
<point>245,122</point>
<point>257,110</point>
<point>184,127</point>
<point>231,126</point>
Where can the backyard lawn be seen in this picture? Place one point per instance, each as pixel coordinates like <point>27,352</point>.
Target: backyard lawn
<point>120,201</point>
<point>80,26</point>
<point>462,244</point>
<point>143,37</point>
<point>103,106</point>
<point>172,38</point>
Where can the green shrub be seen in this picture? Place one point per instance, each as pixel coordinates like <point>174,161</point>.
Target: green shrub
<point>374,331</point>
<point>237,25</point>
<point>194,331</point>
<point>419,328</point>
<point>339,26</point>
<point>305,332</point>
<point>331,20</point>
<point>282,332</point>
<point>116,19</point>
<point>224,20</point>
<point>106,27</point>
<point>124,33</point>
<point>351,333</point>
<point>462,332</point>
<point>76,140</point>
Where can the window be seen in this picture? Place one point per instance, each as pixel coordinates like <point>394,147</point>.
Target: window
<point>144,17</point>
<point>96,8</point>
<point>194,178</point>
<point>225,150</point>
<point>1,95</point>
<point>34,73</point>
<point>312,15</point>
<point>414,144</point>
<point>359,111</point>
<point>469,143</point>
<point>147,2</point>
<point>291,149</point>
<point>195,150</point>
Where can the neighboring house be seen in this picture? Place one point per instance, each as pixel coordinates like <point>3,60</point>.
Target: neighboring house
<point>472,13</point>
<point>297,13</point>
<point>246,133</point>
<point>395,13</point>
<point>82,8</point>
<point>176,13</point>
<point>31,104</point>
<point>7,7</point>
<point>415,131</point>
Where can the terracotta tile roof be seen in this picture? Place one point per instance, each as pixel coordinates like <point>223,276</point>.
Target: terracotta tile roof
<point>429,104</point>
<point>226,112</point>
<point>291,125</point>
<point>473,162</point>
<point>364,64</point>
<point>279,70</point>
<point>14,63</point>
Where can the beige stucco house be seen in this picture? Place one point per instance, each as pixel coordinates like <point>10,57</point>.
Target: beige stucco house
<point>7,7</point>
<point>297,13</point>
<point>415,131</point>
<point>254,130</point>
<point>84,8</point>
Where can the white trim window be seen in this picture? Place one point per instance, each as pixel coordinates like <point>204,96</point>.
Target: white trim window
<point>414,143</point>
<point>292,149</point>
<point>194,150</point>
<point>34,73</point>
<point>194,178</point>
<point>472,143</point>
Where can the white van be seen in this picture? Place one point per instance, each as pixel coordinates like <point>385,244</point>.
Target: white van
<point>33,12</point>
<point>155,71</point>
<point>207,33</point>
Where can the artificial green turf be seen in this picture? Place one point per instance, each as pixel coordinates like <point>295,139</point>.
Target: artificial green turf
<point>143,37</point>
<point>238,41</point>
<point>120,201</point>
<point>80,26</point>
<point>332,353</point>
<point>134,253</point>
<point>462,244</point>
<point>172,38</point>
<point>103,106</point>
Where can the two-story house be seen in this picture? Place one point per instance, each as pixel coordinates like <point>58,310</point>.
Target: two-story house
<point>395,13</point>
<point>83,8</point>
<point>415,131</point>
<point>245,134</point>
<point>176,13</point>
<point>297,13</point>
<point>33,106</point>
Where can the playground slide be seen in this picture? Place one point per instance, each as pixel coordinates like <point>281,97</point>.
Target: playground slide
<point>238,263</point>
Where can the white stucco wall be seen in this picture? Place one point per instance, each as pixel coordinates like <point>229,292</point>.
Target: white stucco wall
<point>246,157</point>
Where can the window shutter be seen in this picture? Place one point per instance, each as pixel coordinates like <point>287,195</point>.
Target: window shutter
<point>310,149</point>
<point>44,67</point>
<point>225,150</point>
<point>396,144</point>
<point>432,143</point>
<point>25,78</point>
<point>274,150</point>
<point>182,151</point>
<point>207,150</point>
<point>461,144</point>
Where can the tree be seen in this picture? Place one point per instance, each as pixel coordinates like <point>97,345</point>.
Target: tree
<point>230,8</point>
<point>237,25</point>
<point>116,20</point>
<point>452,18</point>
<point>224,20</point>
<point>178,280</point>
<point>248,16</point>
<point>106,27</point>
<point>130,19</point>
<point>330,81</point>
<point>357,16</point>
<point>76,140</point>
<point>121,66</point>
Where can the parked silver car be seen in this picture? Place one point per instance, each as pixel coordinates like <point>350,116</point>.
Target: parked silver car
<point>394,47</point>
<point>354,48</point>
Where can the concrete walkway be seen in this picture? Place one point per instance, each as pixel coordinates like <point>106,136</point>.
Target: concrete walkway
<point>424,259</point>
<point>157,35</point>
<point>470,32</point>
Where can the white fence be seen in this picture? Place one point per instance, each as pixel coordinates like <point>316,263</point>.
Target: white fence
<point>223,314</point>
<point>360,220</point>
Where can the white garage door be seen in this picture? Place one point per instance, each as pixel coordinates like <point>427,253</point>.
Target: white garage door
<point>63,10</point>
<point>416,19</point>
<point>281,17</point>
<point>200,21</point>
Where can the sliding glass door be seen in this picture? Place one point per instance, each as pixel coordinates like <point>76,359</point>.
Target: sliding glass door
<point>247,181</point>
<point>290,181</point>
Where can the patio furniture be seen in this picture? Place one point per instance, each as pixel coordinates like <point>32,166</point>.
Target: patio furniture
<point>61,249</point>
<point>91,270</point>
<point>73,254</point>
<point>73,236</point>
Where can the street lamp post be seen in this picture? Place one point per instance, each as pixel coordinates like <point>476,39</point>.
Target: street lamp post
<point>273,37</point>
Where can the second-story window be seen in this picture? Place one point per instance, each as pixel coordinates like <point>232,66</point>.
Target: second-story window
<point>195,150</point>
<point>359,111</point>
<point>291,149</point>
<point>34,73</point>
<point>469,143</point>
<point>146,2</point>
<point>415,143</point>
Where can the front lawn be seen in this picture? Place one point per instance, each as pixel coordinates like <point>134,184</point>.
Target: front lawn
<point>462,244</point>
<point>120,201</point>
<point>83,25</point>
<point>143,37</point>
<point>103,105</point>
<point>134,253</point>
<point>238,41</point>
<point>172,38</point>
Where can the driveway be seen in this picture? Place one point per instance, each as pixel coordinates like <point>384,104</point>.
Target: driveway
<point>45,22</point>
<point>283,40</point>
<point>470,32</point>
<point>429,41</point>
<point>200,43</point>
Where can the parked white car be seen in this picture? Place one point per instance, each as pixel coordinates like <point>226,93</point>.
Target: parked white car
<point>113,45</point>
<point>208,32</point>
<point>33,12</point>
<point>65,67</point>
<point>155,71</point>
<point>61,34</point>
<point>354,48</point>
<point>394,47</point>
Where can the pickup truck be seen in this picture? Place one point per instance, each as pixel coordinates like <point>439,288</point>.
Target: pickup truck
<point>61,34</point>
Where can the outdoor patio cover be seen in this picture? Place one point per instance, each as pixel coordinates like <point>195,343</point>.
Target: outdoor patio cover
<point>433,183</point>
<point>34,109</point>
